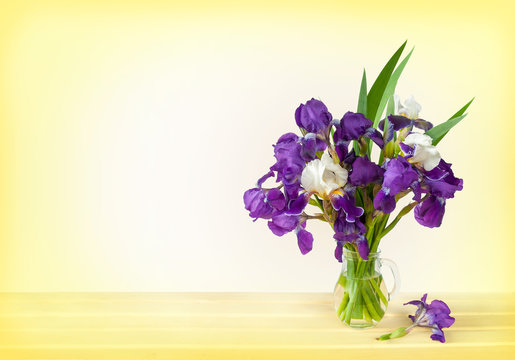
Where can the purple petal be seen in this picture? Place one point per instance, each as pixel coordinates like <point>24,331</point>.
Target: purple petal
<point>345,238</point>
<point>422,124</point>
<point>438,334</point>
<point>342,149</point>
<point>375,136</point>
<point>417,191</point>
<point>439,306</point>
<point>384,202</point>
<point>399,175</point>
<point>289,164</point>
<point>406,149</point>
<point>424,298</point>
<point>313,116</point>
<point>343,226</point>
<point>310,144</point>
<point>305,241</point>
<point>365,172</point>
<point>338,251</point>
<point>414,302</point>
<point>347,203</point>
<point>282,224</point>
<point>255,203</point>
<point>291,191</point>
<point>396,121</point>
<point>264,178</point>
<point>276,199</point>
<point>438,313</point>
<point>363,249</point>
<point>430,211</point>
<point>349,158</point>
<point>297,206</point>
<point>442,182</point>
<point>351,127</point>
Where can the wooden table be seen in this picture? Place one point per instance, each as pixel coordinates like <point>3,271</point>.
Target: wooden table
<point>238,326</point>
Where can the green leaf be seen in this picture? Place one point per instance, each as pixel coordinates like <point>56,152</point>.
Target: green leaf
<point>315,202</point>
<point>400,332</point>
<point>390,88</point>
<point>384,337</point>
<point>376,91</point>
<point>362,100</point>
<point>390,108</point>
<point>462,110</point>
<point>439,131</point>
<point>458,114</point>
<point>362,104</point>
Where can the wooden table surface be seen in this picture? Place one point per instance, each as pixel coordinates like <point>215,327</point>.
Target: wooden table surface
<point>239,326</point>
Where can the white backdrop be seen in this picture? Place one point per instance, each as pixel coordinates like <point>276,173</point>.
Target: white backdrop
<point>155,128</point>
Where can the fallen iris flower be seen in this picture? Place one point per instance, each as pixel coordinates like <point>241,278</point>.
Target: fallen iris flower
<point>434,316</point>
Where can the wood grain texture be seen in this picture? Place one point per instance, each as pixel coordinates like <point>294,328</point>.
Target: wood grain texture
<point>238,326</point>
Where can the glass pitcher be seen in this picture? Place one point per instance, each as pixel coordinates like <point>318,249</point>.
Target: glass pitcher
<point>360,295</point>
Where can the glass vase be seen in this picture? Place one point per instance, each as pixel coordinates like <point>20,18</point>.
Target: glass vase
<point>360,295</point>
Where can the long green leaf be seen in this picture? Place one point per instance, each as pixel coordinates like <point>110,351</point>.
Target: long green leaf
<point>439,131</point>
<point>458,114</point>
<point>362,105</point>
<point>388,92</point>
<point>390,88</point>
<point>462,110</point>
<point>390,108</point>
<point>376,91</point>
<point>362,100</point>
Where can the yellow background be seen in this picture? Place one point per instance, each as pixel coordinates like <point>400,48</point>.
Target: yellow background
<point>129,131</point>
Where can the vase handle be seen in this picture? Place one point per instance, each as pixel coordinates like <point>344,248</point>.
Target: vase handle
<point>396,277</point>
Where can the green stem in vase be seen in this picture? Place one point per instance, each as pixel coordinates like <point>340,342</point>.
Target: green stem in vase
<point>378,290</point>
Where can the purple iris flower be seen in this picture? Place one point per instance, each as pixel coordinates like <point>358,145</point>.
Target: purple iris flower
<point>256,204</point>
<point>365,172</point>
<point>435,316</point>
<point>352,126</point>
<point>398,122</point>
<point>399,176</point>
<point>313,117</point>
<point>289,164</point>
<point>442,182</point>
<point>430,211</point>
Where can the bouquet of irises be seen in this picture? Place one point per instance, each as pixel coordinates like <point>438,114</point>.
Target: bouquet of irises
<point>352,172</point>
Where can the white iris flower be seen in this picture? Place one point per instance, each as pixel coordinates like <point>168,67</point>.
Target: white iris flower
<point>409,109</point>
<point>323,176</point>
<point>425,153</point>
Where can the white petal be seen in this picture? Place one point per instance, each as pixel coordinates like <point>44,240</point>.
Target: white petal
<point>427,156</point>
<point>312,176</point>
<point>335,175</point>
<point>397,104</point>
<point>418,139</point>
<point>412,108</point>
<point>323,176</point>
